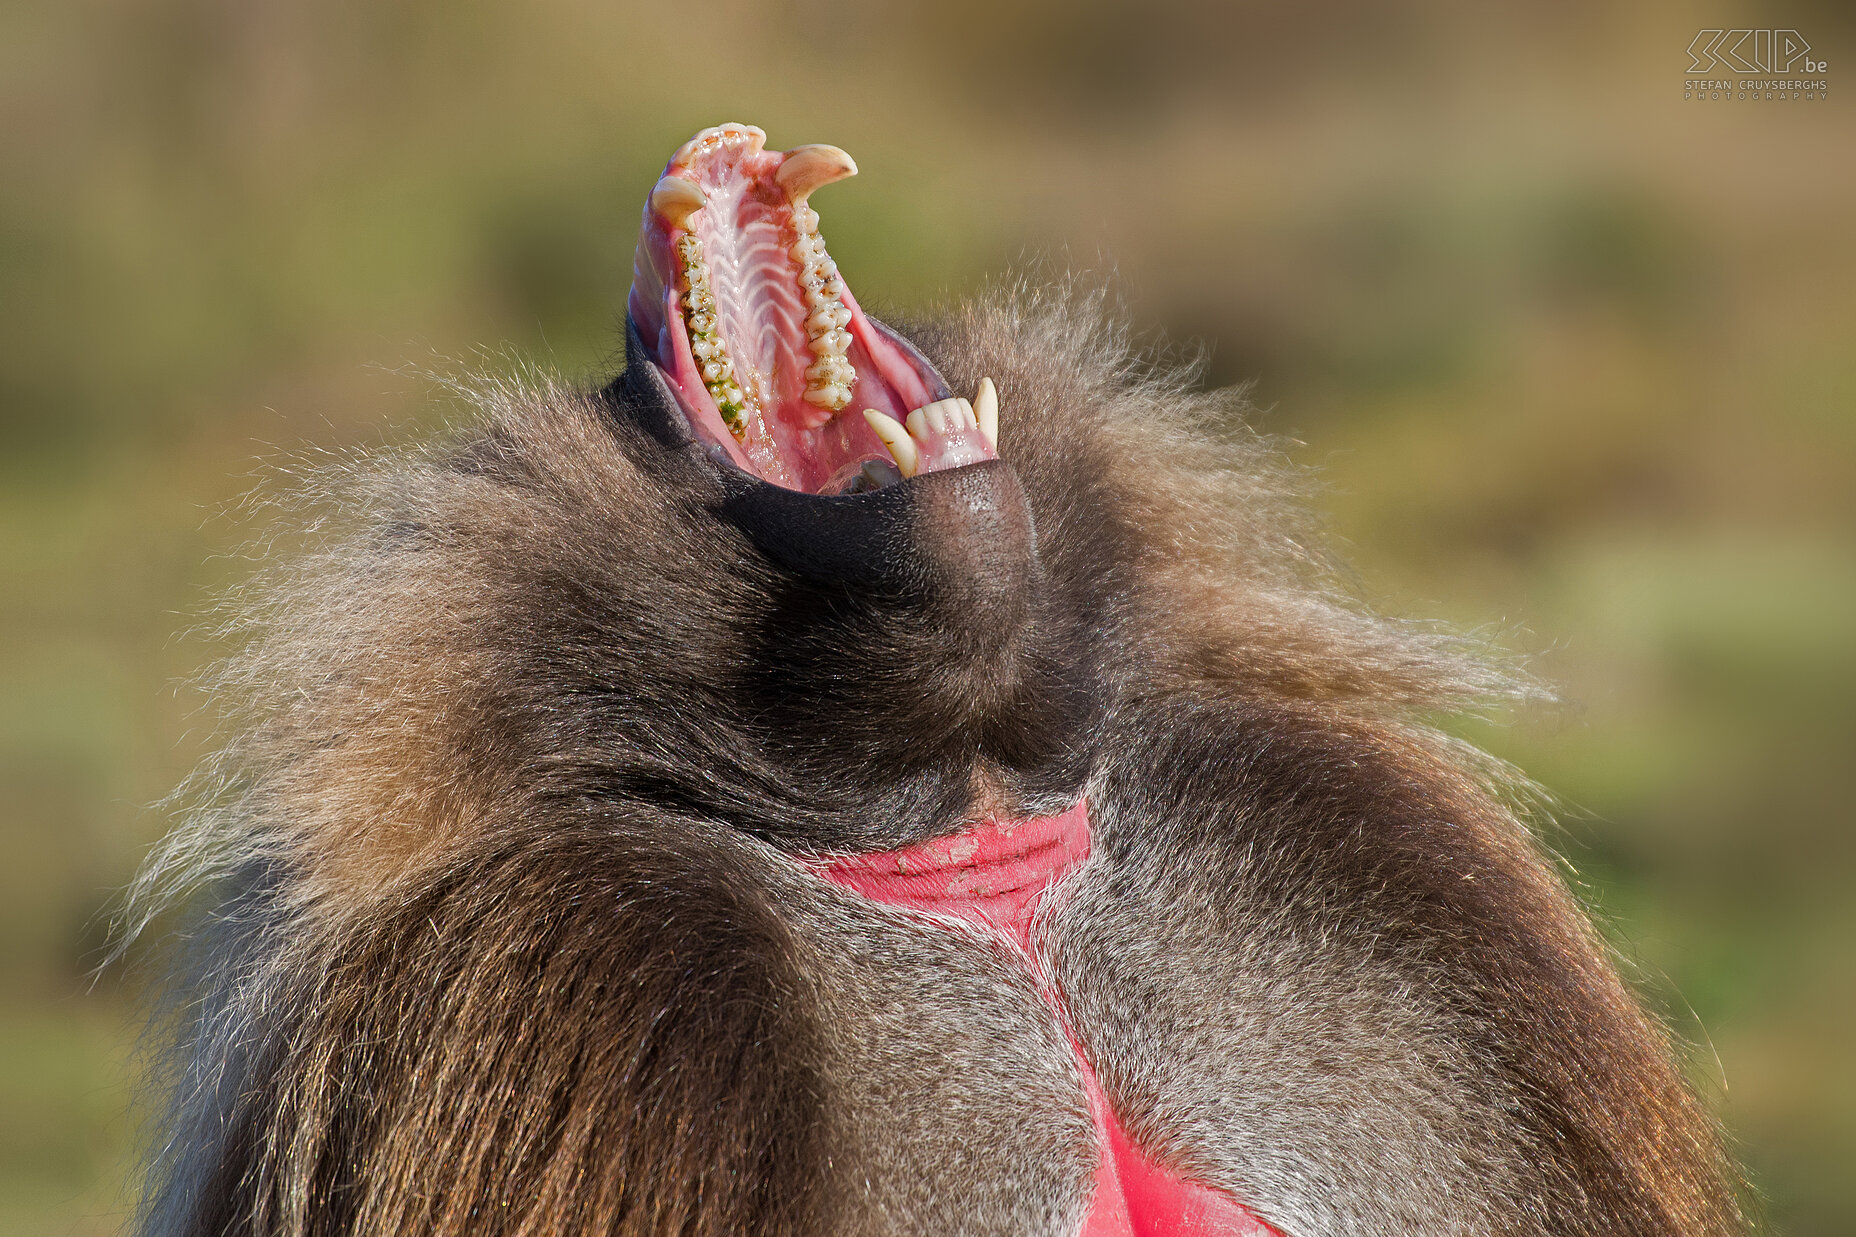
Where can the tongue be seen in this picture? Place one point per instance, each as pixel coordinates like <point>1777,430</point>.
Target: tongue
<point>740,305</point>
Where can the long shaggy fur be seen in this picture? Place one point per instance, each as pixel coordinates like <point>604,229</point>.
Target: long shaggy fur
<point>497,925</point>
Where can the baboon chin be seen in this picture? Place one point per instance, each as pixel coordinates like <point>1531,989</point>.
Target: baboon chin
<point>829,781</point>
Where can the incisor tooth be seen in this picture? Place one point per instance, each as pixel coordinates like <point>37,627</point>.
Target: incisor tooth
<point>808,167</point>
<point>942,416</point>
<point>730,133</point>
<point>986,411</point>
<point>901,447</point>
<point>676,199</point>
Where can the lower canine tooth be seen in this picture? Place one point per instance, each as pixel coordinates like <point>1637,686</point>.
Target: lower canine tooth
<point>986,411</point>
<point>901,447</point>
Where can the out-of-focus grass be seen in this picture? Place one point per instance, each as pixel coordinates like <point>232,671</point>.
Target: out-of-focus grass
<point>1572,356</point>
<point>64,1166</point>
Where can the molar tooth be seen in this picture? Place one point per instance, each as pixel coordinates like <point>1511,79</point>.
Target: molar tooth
<point>675,199</point>
<point>986,411</point>
<point>901,447</point>
<point>830,391</point>
<point>808,167</point>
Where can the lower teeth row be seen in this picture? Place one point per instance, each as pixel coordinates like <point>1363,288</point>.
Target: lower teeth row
<point>734,402</point>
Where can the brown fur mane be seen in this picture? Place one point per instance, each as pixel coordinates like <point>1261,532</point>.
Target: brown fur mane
<point>494,670</point>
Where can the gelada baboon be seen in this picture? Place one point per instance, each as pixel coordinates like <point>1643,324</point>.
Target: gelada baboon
<point>830,781</point>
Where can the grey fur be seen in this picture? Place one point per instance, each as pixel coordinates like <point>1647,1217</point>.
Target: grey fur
<point>531,689</point>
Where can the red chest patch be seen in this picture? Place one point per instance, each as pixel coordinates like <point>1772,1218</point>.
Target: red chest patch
<point>993,876</point>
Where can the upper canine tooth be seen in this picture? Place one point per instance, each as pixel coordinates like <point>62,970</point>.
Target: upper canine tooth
<point>675,199</point>
<point>902,448</point>
<point>986,411</point>
<point>808,167</point>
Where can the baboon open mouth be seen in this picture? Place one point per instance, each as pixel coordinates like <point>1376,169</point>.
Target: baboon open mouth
<point>775,365</point>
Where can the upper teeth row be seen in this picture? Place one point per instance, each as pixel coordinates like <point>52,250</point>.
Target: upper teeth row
<point>830,377</point>
<point>706,344</point>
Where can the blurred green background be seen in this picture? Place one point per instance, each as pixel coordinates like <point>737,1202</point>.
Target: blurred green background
<point>1573,355</point>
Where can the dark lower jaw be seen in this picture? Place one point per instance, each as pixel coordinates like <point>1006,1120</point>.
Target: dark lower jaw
<point>966,531</point>
<point>912,668</point>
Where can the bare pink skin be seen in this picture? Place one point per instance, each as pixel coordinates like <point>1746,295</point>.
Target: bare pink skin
<point>746,229</point>
<point>993,877</point>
